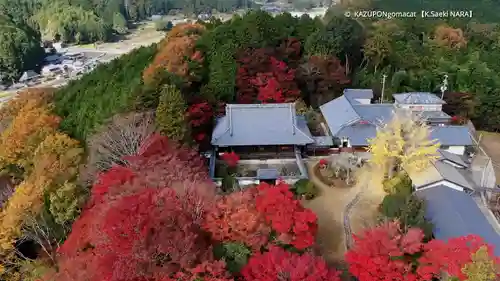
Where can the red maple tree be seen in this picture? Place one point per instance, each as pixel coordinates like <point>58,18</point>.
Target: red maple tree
<point>263,78</point>
<point>322,79</point>
<point>294,224</point>
<point>236,219</point>
<point>150,234</point>
<point>206,271</point>
<point>199,114</point>
<point>453,255</point>
<point>278,264</point>
<point>386,253</point>
<point>143,222</point>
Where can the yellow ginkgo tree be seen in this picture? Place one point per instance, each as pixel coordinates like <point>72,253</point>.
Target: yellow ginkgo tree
<point>403,144</point>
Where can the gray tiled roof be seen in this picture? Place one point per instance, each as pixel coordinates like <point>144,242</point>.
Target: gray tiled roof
<point>260,124</point>
<point>451,135</point>
<point>338,113</point>
<point>451,174</point>
<point>358,134</point>
<point>375,113</point>
<point>353,94</point>
<point>418,98</point>
<point>430,115</point>
<point>455,213</point>
<point>452,157</point>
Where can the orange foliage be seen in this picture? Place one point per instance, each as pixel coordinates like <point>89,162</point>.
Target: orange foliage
<point>28,129</point>
<point>35,96</point>
<point>176,51</point>
<point>450,37</point>
<point>236,219</point>
<point>55,161</point>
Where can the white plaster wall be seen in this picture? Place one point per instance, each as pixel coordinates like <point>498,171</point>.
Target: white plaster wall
<point>446,183</point>
<point>425,107</point>
<point>459,150</point>
<point>363,101</point>
<point>267,161</point>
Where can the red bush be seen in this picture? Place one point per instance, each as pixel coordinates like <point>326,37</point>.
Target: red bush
<point>200,114</point>
<point>295,224</point>
<point>278,264</point>
<point>230,158</point>
<point>235,218</point>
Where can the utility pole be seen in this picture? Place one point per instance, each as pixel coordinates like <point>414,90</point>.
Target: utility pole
<point>383,88</point>
<point>444,87</point>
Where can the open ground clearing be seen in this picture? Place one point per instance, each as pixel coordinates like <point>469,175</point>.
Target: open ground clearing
<point>329,207</point>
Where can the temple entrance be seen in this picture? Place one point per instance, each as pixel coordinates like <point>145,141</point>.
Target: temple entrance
<point>269,181</point>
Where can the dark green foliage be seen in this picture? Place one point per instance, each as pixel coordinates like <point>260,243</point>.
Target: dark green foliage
<point>147,97</point>
<point>235,255</point>
<point>257,29</point>
<point>305,188</point>
<point>19,49</point>
<point>87,103</point>
<point>408,209</point>
<point>170,114</point>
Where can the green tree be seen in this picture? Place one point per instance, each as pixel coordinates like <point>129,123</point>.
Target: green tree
<point>120,23</point>
<point>408,209</point>
<point>170,114</point>
<point>19,49</point>
<point>65,202</point>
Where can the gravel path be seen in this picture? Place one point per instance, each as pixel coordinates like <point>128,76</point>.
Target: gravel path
<point>347,214</point>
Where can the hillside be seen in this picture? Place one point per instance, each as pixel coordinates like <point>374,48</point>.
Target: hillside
<point>103,180</point>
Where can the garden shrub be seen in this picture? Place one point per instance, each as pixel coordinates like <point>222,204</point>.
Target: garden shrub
<point>305,188</point>
<point>235,255</point>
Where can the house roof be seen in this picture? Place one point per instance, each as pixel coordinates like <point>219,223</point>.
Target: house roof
<point>28,75</point>
<point>455,213</point>
<point>261,124</point>
<point>358,134</point>
<point>340,113</point>
<point>451,135</point>
<point>440,171</point>
<point>353,94</point>
<point>418,98</point>
<point>452,157</point>
<point>430,115</point>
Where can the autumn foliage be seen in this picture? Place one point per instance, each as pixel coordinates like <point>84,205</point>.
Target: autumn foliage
<point>322,78</point>
<point>131,228</point>
<point>450,37</point>
<point>263,78</point>
<point>176,52</point>
<point>293,223</point>
<point>278,264</point>
<point>386,253</point>
<point>236,219</point>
